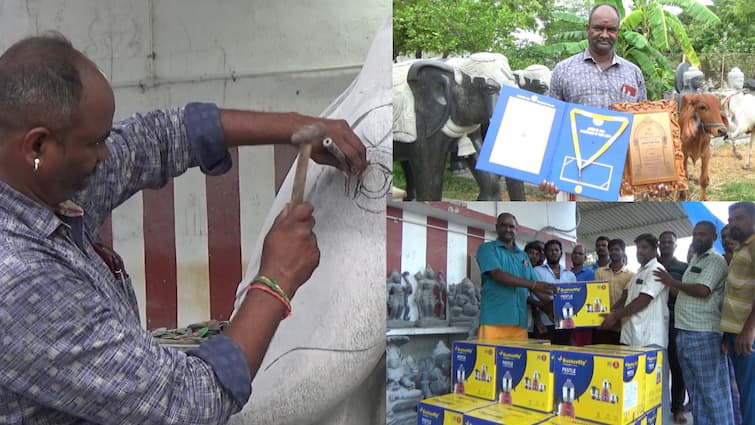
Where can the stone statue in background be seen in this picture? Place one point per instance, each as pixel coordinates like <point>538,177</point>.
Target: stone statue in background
<point>535,78</point>
<point>693,80</point>
<point>431,298</point>
<point>435,378</point>
<point>398,290</point>
<point>402,395</point>
<point>463,303</point>
<point>735,79</point>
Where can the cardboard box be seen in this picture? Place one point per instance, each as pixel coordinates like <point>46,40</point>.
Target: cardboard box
<point>474,362</point>
<point>652,416</point>
<point>524,376</point>
<point>447,409</point>
<point>501,414</point>
<point>598,385</point>
<point>581,304</point>
<point>651,363</point>
<point>565,420</point>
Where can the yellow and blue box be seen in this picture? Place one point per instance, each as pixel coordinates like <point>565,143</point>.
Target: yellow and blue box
<point>524,376</point>
<point>473,367</point>
<point>652,416</point>
<point>565,420</point>
<point>447,409</point>
<point>501,414</point>
<point>598,385</point>
<point>652,364</point>
<point>581,304</point>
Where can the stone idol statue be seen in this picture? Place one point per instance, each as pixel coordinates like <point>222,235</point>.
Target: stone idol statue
<point>401,374</point>
<point>431,298</point>
<point>464,304</point>
<point>435,372</point>
<point>735,79</point>
<point>398,289</point>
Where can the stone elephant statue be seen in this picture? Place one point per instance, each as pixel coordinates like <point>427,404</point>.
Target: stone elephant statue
<point>445,104</point>
<point>495,67</point>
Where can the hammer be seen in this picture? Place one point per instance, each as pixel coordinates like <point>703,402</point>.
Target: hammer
<point>304,137</point>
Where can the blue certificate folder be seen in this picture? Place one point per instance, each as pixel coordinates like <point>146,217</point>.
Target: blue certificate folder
<point>579,148</point>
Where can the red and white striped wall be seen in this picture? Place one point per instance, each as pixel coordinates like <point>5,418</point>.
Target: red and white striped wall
<point>185,246</point>
<point>445,236</point>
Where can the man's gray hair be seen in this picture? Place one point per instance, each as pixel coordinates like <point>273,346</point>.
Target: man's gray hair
<point>40,84</point>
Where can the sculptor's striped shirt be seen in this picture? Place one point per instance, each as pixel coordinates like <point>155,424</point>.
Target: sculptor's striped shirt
<point>740,288</point>
<point>72,349</point>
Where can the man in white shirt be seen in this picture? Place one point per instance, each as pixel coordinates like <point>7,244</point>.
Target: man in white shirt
<point>645,317</point>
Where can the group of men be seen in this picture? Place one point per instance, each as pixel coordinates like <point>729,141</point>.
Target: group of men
<point>700,312</point>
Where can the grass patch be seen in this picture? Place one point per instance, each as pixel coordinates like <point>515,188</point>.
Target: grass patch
<point>464,188</point>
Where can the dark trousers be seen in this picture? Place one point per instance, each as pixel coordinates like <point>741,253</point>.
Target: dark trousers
<point>678,389</point>
<point>601,336</point>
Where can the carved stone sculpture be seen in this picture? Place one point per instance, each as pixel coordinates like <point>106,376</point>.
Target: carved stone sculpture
<point>431,298</point>
<point>402,395</point>
<point>693,80</point>
<point>735,79</point>
<point>463,303</point>
<point>436,375</point>
<point>337,330</point>
<point>398,289</point>
<point>535,78</point>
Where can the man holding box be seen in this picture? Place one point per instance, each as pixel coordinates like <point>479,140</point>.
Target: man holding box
<point>643,309</point>
<point>698,329</point>
<point>507,279</point>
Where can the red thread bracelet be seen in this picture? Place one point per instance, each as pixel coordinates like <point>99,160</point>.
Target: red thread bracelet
<point>274,294</point>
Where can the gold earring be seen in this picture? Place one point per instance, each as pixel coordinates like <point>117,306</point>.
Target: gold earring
<point>36,164</point>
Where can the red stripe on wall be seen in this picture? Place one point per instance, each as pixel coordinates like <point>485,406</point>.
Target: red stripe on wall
<point>393,239</point>
<point>224,239</point>
<point>474,239</point>
<point>106,232</point>
<point>160,258</point>
<point>437,244</point>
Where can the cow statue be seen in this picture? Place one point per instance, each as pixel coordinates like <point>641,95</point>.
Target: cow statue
<point>326,365</point>
<point>740,107</point>
<point>700,118</point>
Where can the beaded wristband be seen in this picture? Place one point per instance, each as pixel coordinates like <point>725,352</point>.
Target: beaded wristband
<point>272,284</point>
<point>267,290</point>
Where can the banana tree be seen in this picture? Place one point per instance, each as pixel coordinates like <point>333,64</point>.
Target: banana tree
<point>645,34</point>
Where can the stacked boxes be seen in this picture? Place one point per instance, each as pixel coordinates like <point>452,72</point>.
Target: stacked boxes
<point>524,376</point>
<point>651,362</point>
<point>447,409</point>
<point>581,304</point>
<point>598,385</point>
<point>532,380</point>
<point>473,367</point>
<point>499,414</point>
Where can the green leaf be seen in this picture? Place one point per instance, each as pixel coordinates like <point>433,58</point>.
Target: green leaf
<point>636,40</point>
<point>657,26</point>
<point>695,10</point>
<point>633,20</point>
<point>569,18</point>
<point>567,48</point>
<point>568,36</point>
<point>680,34</point>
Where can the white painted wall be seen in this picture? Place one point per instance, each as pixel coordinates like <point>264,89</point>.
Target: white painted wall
<point>535,215</point>
<point>286,55</point>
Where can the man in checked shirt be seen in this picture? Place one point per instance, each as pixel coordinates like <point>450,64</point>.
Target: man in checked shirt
<point>597,76</point>
<point>72,348</point>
